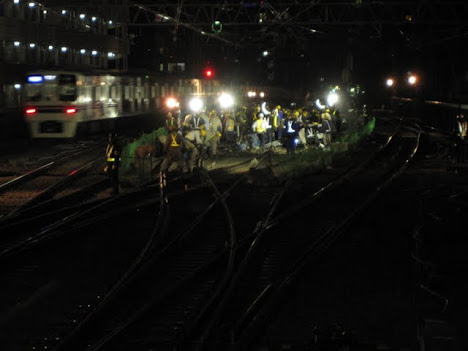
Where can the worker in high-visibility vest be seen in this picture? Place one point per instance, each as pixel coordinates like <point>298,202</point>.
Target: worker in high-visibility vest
<point>174,150</point>
<point>260,127</point>
<point>230,132</point>
<point>113,152</point>
<point>461,133</point>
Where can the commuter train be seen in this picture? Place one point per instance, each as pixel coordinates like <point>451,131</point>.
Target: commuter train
<point>62,104</point>
<point>58,104</point>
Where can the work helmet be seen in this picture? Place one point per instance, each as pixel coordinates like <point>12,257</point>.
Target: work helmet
<point>261,115</point>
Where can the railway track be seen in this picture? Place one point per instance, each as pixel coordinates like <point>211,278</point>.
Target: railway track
<point>69,223</point>
<point>46,181</point>
<point>183,273</point>
<point>172,328</point>
<point>275,259</point>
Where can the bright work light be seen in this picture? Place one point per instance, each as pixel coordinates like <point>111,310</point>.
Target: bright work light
<point>226,100</point>
<point>196,104</point>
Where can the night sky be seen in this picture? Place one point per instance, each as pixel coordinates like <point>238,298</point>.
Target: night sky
<point>435,51</point>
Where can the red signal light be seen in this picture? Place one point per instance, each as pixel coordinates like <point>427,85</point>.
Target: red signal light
<point>30,111</point>
<point>209,73</point>
<point>70,110</point>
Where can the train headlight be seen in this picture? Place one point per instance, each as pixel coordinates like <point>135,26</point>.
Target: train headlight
<point>196,104</point>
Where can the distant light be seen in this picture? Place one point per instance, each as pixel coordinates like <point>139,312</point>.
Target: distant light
<point>110,54</point>
<point>30,111</point>
<point>165,17</point>
<point>32,4</point>
<point>265,53</point>
<point>412,79</point>
<point>262,94</point>
<point>44,12</point>
<point>93,19</point>
<point>16,2</point>
<point>196,104</point>
<point>70,110</point>
<point>332,99</point>
<point>35,79</point>
<point>17,86</point>
<point>111,22</point>
<point>32,45</point>
<point>82,16</point>
<point>103,83</point>
<point>94,53</point>
<point>51,47</point>
<point>390,82</point>
<point>226,100</point>
<point>50,77</point>
<point>16,43</point>
<point>172,103</point>
<point>64,49</point>
<point>64,12</point>
<point>83,51</point>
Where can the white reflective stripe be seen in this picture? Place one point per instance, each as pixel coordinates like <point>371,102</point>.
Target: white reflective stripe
<point>196,121</point>
<point>462,128</point>
<point>268,125</point>
<point>310,132</point>
<point>290,130</point>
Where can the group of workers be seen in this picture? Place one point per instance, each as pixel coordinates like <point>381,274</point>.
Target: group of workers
<point>246,129</point>
<point>200,134</point>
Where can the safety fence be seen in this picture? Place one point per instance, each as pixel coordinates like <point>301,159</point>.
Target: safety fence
<point>140,157</point>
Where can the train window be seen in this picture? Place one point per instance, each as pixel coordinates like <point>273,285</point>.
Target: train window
<point>67,87</point>
<point>33,92</point>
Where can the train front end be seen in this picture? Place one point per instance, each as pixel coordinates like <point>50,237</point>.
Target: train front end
<point>51,109</point>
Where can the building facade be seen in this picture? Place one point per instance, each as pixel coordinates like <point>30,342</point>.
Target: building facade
<point>36,35</point>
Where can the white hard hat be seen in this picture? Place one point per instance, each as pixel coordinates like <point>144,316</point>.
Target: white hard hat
<point>261,115</point>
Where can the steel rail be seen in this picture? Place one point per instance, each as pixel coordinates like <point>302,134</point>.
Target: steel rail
<point>257,313</point>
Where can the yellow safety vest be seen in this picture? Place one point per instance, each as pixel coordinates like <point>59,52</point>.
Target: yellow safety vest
<point>109,150</point>
<point>230,125</point>
<point>174,142</point>
<point>260,128</point>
